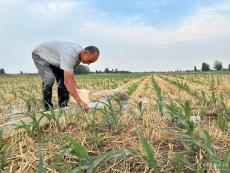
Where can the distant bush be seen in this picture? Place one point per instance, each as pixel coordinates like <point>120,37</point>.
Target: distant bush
<point>205,67</point>
<point>218,65</point>
<point>2,71</point>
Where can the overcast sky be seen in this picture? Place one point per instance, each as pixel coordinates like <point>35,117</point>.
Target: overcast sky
<point>135,35</point>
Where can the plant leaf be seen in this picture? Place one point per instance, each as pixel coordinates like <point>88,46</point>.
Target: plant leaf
<point>41,168</point>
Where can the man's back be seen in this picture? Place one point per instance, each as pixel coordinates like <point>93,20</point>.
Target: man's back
<point>60,54</point>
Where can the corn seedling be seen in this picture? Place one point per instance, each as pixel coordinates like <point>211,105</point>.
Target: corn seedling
<point>182,115</point>
<point>4,151</point>
<point>203,96</point>
<point>33,126</point>
<point>206,144</point>
<point>222,122</point>
<point>87,162</point>
<point>30,102</point>
<point>213,98</point>
<point>27,127</point>
<point>14,93</point>
<point>212,84</point>
<point>54,116</point>
<point>182,163</point>
<point>149,155</point>
<point>139,106</point>
<point>41,168</point>
<point>159,99</point>
<point>119,103</point>
<point>110,115</point>
<point>91,120</point>
<point>132,88</point>
<point>180,85</point>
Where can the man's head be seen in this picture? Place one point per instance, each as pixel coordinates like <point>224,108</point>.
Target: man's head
<point>89,55</point>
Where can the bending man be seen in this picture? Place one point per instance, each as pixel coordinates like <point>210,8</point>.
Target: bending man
<point>57,60</point>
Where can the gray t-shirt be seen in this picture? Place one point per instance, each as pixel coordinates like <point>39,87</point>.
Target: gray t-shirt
<point>64,55</point>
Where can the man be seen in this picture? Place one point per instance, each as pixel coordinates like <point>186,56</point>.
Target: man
<point>56,60</point>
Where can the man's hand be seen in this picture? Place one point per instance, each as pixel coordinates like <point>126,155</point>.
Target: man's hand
<point>84,106</point>
<point>71,86</point>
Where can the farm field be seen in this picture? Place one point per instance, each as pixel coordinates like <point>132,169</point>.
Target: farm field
<point>172,122</point>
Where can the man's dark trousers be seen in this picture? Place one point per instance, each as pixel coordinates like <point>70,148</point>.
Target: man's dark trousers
<point>48,74</point>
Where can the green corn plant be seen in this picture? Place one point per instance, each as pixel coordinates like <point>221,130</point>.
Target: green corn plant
<point>35,121</point>
<point>115,85</point>
<point>174,111</point>
<point>4,151</point>
<point>94,128</point>
<point>68,169</point>
<point>14,93</point>
<point>212,84</point>
<point>139,106</point>
<point>224,167</point>
<point>218,80</point>
<point>33,126</point>
<point>2,97</point>
<point>110,115</point>
<point>206,144</point>
<point>30,101</point>
<point>185,119</point>
<point>222,100</point>
<point>180,85</point>
<point>89,163</point>
<point>91,120</point>
<point>27,127</point>
<point>182,162</point>
<point>118,102</point>
<point>182,115</point>
<point>222,122</point>
<point>41,168</point>
<point>132,88</point>
<point>149,155</point>
<point>159,99</point>
<point>212,157</point>
<point>54,116</point>
<point>223,108</point>
<point>213,98</point>
<point>203,96</point>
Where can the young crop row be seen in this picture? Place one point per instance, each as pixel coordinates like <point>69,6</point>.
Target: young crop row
<point>214,101</point>
<point>72,155</point>
<point>181,117</point>
<point>214,81</point>
<point>113,140</point>
<point>21,95</point>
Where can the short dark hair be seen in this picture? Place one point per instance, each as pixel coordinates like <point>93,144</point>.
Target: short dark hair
<point>92,49</point>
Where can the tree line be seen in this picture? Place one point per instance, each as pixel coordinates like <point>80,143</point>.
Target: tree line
<point>83,69</point>
<point>217,65</point>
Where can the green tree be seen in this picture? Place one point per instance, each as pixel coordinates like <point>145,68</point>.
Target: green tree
<point>205,67</point>
<point>195,69</point>
<point>218,65</point>
<point>2,71</point>
<point>106,70</point>
<point>81,69</point>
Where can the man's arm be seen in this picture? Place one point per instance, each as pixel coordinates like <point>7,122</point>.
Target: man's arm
<point>71,86</point>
